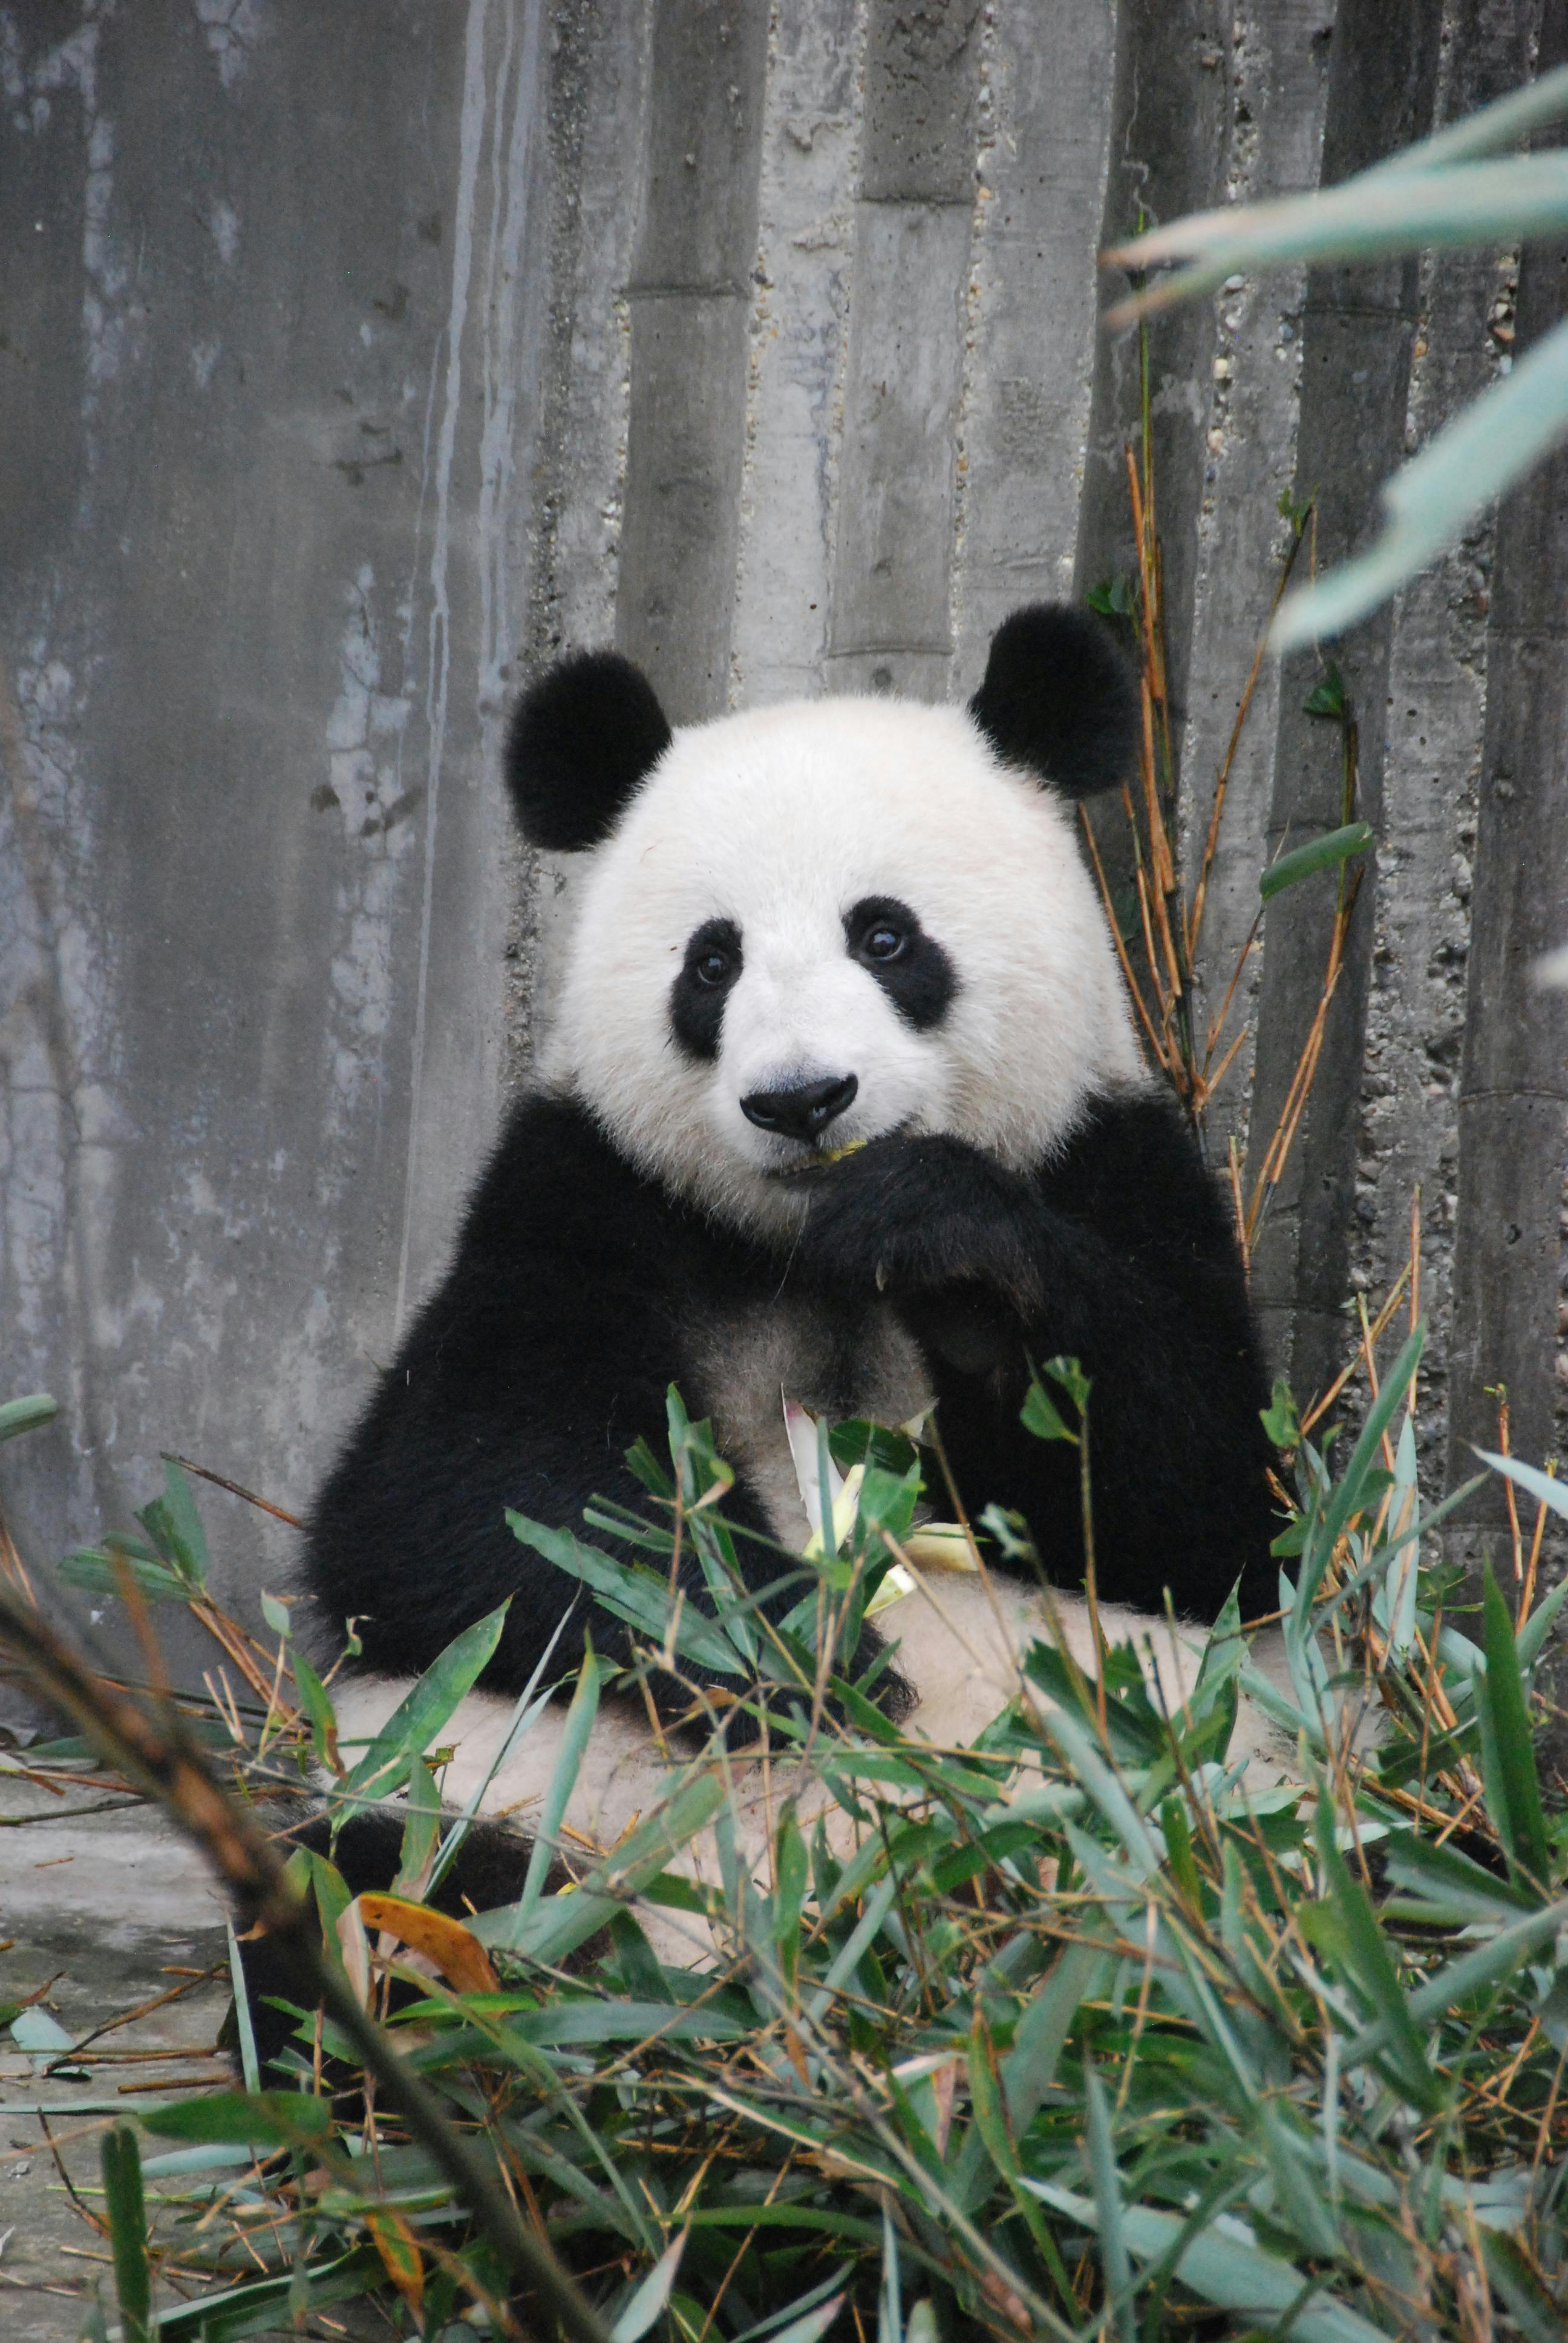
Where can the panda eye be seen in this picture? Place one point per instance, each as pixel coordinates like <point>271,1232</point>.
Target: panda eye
<point>883,940</point>
<point>712,968</point>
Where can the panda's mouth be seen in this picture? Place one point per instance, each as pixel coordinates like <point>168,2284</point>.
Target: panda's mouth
<point>820,1160</point>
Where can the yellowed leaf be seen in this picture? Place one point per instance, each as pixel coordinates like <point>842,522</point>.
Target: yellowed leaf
<point>454,1951</point>
<point>400,2256</point>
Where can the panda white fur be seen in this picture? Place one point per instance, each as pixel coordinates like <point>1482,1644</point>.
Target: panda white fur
<point>835,922</point>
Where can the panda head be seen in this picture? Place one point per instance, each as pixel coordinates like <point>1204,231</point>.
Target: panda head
<point>809,925</point>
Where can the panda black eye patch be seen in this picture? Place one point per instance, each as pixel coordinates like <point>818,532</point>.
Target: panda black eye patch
<point>697,998</point>
<point>914,971</point>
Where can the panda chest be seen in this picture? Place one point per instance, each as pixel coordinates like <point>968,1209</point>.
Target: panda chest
<point>838,1363</point>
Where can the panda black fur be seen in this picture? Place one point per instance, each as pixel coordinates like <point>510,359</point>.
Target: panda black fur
<point>851,920</point>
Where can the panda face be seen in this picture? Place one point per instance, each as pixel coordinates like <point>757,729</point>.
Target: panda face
<point>827,922</point>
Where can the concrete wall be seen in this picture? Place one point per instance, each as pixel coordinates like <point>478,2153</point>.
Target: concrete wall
<point>363,357</point>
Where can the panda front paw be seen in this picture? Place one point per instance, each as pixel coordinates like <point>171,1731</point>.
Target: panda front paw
<point>916,1216</point>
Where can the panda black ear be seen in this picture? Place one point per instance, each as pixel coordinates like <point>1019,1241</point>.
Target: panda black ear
<point>581,739</point>
<point>1060,697</point>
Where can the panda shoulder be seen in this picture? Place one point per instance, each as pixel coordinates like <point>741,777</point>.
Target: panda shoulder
<point>1132,1163</point>
<point>554,1174</point>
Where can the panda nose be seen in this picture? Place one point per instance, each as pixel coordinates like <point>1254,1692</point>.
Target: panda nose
<point>804,1110</point>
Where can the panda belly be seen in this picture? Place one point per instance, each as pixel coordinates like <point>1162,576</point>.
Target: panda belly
<point>842,1365</point>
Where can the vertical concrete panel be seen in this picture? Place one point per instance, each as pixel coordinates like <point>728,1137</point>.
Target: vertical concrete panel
<point>690,302</point>
<point>1170,134</point>
<point>1513,1094</point>
<point>1358,332</point>
<point>1437,698</point>
<point>1044,125</point>
<point>268,365</point>
<point>597,110</point>
<point>796,375</point>
<point>1278,74</point>
<point>891,627</point>
<point>481,417</point>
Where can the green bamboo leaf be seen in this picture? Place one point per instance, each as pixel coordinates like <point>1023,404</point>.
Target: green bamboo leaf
<point>33,2028</point>
<point>1105,1790</point>
<point>529,1704</point>
<point>1364,1953</point>
<point>424,1820</point>
<point>175,1527</point>
<point>1224,2264</point>
<point>1029,2069</point>
<point>1529,1639</point>
<point>1040,1416</point>
<point>260,2120</point>
<point>563,2024</point>
<point>1324,853</point>
<point>1300,2201</point>
<point>1371,217</point>
<point>1508,1755</point>
<point>1108,2206</point>
<point>560,1923</point>
<point>638,1596</point>
<point>1544,1487</point>
<point>121,2169</point>
<point>244,2309</point>
<point>416,1720</point>
<point>579,1724</point>
<point>813,2323</point>
<point>1503,123</point>
<point>1498,438</point>
<point>242,2022</point>
<point>1350,1494</point>
<point>1442,1876</point>
<point>316,1703</point>
<point>29,1414</point>
<point>1474,1972</point>
<point>1540,2320</point>
<point>101,1570</point>
<point>889,2296</point>
<point>652,2296</point>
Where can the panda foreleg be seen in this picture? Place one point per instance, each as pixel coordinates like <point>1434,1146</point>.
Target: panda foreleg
<point>994,1278</point>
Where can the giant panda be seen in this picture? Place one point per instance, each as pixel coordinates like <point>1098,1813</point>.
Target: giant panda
<point>842,1102</point>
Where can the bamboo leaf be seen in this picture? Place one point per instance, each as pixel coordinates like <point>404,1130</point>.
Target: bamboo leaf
<point>244,2029</point>
<point>249,2119</point>
<point>175,1527</point>
<point>652,2296</point>
<point>29,1414</point>
<point>1108,2206</point>
<point>1474,1972</point>
<point>1539,2318</point>
<point>413,1725</point>
<point>1371,217</point>
<point>241,2310</point>
<point>1362,1952</point>
<point>1224,2264</point>
<point>1325,853</point>
<point>579,1724</point>
<point>1497,439</point>
<point>1029,2069</point>
<point>1529,1639</point>
<point>638,1596</point>
<point>1542,1486</point>
<point>813,2323</point>
<point>1513,1786</point>
<point>122,2171</point>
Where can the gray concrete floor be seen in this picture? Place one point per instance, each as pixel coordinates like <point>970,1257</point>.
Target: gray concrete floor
<point>108,1910</point>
